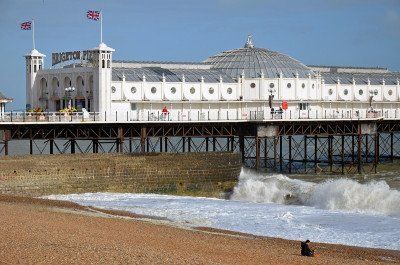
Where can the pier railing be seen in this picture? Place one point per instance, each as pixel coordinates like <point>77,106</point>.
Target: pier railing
<point>189,116</point>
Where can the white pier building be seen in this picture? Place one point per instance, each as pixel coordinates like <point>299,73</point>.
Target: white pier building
<point>240,84</point>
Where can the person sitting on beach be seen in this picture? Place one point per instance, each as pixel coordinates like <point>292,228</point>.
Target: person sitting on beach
<point>305,249</point>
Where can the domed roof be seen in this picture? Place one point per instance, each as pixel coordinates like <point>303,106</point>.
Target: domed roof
<point>254,62</point>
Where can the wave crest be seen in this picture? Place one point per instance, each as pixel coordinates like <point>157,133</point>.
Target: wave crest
<point>332,194</point>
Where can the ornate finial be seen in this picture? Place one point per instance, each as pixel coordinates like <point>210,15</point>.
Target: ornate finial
<point>262,74</point>
<point>143,77</point>
<point>220,79</point>
<point>353,81</point>
<point>368,81</point>
<point>296,74</point>
<point>163,77</point>
<point>183,78</point>
<point>202,79</point>
<point>338,81</point>
<point>383,81</point>
<point>398,81</point>
<point>249,42</point>
<point>242,75</point>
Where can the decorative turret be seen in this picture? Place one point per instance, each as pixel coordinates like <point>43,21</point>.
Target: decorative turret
<point>34,62</point>
<point>102,61</point>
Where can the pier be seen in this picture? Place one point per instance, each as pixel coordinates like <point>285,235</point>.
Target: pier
<point>275,144</point>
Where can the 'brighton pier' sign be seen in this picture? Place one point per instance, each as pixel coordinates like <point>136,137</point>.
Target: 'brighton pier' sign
<point>68,56</point>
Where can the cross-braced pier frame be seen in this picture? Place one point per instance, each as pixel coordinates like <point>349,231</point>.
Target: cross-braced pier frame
<point>309,146</point>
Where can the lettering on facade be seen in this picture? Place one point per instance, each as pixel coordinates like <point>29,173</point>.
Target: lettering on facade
<point>69,56</point>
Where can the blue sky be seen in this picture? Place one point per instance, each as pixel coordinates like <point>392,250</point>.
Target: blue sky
<point>348,32</point>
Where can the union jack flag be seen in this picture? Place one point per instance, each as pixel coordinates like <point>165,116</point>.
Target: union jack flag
<point>27,25</point>
<point>94,15</point>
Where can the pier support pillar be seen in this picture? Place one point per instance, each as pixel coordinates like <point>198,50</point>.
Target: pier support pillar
<point>51,143</point>
<point>330,152</point>
<point>120,140</point>
<point>206,144</point>
<point>31,146</point>
<point>72,141</point>
<point>290,153</point>
<point>143,137</point>
<point>391,146</point>
<point>257,143</point>
<point>95,143</point>
<point>376,155</point>
<point>241,146</point>
<point>342,154</point>
<point>315,153</point>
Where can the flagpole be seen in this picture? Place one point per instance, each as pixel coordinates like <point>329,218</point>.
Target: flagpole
<point>101,26</point>
<point>33,33</point>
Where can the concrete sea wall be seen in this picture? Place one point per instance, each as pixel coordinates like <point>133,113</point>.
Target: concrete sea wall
<point>77,173</point>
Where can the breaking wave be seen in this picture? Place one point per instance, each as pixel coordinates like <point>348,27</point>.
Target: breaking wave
<point>333,194</point>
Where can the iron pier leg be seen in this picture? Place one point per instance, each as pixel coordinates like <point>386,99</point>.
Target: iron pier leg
<point>161,144</point>
<point>31,146</point>
<point>241,145</point>
<point>95,145</point>
<point>120,140</point>
<point>148,145</point>
<point>342,154</point>
<point>5,147</point>
<point>130,145</point>
<point>214,144</point>
<point>280,154</point>
<point>366,148</point>
<point>315,153</point>
<point>232,143</point>
<point>183,144</point>
<point>206,144</point>
<point>72,146</point>
<point>290,154</point>
<point>359,151</point>
<point>143,137</point>
<point>391,146</point>
<point>166,144</point>
<point>51,142</point>
<point>330,155</point>
<point>352,149</point>
<point>189,144</point>
<point>305,154</point>
<point>257,142</point>
<point>265,152</point>
<point>376,160</point>
<point>275,152</point>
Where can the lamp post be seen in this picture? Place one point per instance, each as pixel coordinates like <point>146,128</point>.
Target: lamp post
<point>68,92</point>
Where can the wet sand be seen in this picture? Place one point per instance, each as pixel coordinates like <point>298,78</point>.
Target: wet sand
<point>36,231</point>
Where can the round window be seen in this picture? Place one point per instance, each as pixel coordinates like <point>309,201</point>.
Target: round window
<point>330,91</point>
<point>360,92</point>
<point>376,92</point>
<point>229,90</point>
<point>211,90</point>
<point>303,85</point>
<point>153,90</point>
<point>173,90</point>
<point>345,92</point>
<point>192,90</point>
<point>313,86</point>
<point>289,85</point>
<point>390,92</point>
<point>253,85</point>
<point>271,85</point>
<point>133,90</point>
<point>113,89</point>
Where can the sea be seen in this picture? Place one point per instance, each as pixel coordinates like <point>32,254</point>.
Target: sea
<point>345,210</point>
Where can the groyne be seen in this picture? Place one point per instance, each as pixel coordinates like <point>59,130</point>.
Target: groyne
<point>39,175</point>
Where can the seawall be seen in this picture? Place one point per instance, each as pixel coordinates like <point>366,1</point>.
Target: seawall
<point>77,173</point>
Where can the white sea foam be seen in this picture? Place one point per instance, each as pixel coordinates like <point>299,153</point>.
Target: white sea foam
<point>336,211</point>
<point>333,194</point>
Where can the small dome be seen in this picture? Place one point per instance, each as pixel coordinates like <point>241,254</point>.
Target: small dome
<point>254,62</point>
